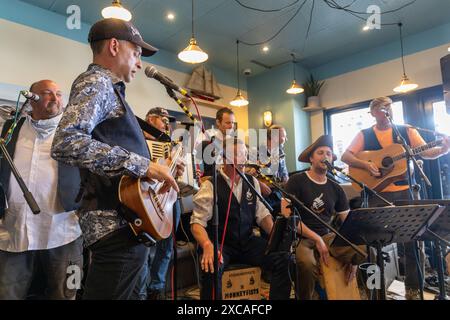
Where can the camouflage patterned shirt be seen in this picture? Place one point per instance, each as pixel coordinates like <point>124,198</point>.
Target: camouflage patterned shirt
<point>93,100</point>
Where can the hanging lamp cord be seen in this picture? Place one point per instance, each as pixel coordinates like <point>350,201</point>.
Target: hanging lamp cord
<point>237,64</point>
<point>401,46</point>
<point>192,19</point>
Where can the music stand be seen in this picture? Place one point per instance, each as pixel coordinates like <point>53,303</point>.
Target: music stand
<point>439,233</point>
<point>378,227</point>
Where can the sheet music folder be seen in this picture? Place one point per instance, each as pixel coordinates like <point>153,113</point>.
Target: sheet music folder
<point>385,225</point>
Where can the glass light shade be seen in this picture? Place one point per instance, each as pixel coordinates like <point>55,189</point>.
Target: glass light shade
<point>405,85</point>
<point>192,53</point>
<point>295,88</point>
<point>116,11</point>
<point>239,100</point>
<point>267,118</point>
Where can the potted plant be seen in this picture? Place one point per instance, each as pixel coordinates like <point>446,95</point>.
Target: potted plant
<point>312,88</point>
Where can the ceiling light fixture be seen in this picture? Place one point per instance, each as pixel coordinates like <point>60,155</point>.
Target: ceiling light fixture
<point>295,88</point>
<point>192,53</point>
<point>405,84</point>
<point>239,100</point>
<point>117,11</point>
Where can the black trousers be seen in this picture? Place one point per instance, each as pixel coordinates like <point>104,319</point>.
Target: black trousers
<point>117,262</point>
<point>252,254</point>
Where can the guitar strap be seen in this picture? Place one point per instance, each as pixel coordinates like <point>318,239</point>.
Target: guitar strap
<point>158,134</point>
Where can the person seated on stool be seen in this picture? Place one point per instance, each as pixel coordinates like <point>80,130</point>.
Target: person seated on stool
<point>324,197</point>
<point>241,245</point>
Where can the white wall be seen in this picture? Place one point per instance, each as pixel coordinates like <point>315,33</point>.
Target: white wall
<point>378,80</point>
<point>28,55</point>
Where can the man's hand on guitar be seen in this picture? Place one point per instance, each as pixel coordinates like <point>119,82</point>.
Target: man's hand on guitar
<point>162,174</point>
<point>445,144</point>
<point>372,168</point>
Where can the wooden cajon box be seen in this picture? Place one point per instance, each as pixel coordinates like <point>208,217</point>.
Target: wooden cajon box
<point>241,284</point>
<point>333,280</point>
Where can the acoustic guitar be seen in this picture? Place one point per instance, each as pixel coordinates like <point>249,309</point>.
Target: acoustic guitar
<point>391,161</point>
<point>154,211</point>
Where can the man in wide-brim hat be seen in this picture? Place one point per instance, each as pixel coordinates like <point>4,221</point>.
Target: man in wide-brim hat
<point>326,199</point>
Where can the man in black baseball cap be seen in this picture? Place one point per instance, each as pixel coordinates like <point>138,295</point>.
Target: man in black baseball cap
<point>120,30</point>
<point>99,134</point>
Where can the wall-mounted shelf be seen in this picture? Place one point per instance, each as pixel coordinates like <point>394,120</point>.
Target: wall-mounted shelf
<point>312,108</point>
<point>202,102</point>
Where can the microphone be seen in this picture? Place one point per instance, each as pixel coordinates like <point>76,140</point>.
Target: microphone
<point>30,95</point>
<point>151,72</point>
<point>386,112</point>
<point>330,167</point>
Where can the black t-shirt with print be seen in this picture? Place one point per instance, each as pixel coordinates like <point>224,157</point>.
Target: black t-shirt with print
<point>323,199</point>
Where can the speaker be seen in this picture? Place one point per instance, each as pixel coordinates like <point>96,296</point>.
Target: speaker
<point>445,69</point>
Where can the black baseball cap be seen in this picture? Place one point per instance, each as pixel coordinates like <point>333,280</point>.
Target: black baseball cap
<point>121,30</point>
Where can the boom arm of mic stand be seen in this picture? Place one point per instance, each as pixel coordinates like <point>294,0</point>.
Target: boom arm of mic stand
<point>302,205</point>
<point>172,94</point>
<point>26,193</point>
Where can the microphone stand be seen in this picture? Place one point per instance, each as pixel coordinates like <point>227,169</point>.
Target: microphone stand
<point>366,191</point>
<point>29,198</point>
<point>215,217</point>
<point>410,157</point>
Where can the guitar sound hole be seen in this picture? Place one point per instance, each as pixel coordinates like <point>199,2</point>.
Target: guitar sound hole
<point>387,162</point>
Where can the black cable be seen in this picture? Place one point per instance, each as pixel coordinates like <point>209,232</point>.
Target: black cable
<point>401,45</point>
<point>279,31</point>
<point>331,3</point>
<point>192,19</point>
<point>266,10</point>
<point>309,26</point>
<point>334,5</point>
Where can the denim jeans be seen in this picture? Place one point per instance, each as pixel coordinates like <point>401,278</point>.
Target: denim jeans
<point>153,276</point>
<point>117,261</point>
<point>18,269</point>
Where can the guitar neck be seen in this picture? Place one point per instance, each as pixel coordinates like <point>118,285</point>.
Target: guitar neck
<point>418,150</point>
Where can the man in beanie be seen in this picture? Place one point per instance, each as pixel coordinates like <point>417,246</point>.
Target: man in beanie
<point>99,134</point>
<point>381,135</point>
<point>326,199</point>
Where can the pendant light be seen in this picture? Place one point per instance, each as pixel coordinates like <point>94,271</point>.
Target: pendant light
<point>239,100</point>
<point>192,53</point>
<point>405,84</point>
<point>295,88</point>
<point>116,11</point>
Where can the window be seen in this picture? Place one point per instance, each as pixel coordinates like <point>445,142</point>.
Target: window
<point>441,118</point>
<point>442,125</point>
<point>346,124</point>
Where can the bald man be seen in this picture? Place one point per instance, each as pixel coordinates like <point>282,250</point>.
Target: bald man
<point>48,245</point>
